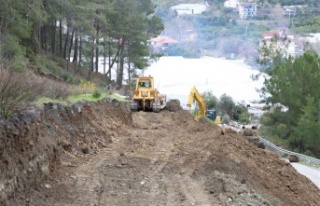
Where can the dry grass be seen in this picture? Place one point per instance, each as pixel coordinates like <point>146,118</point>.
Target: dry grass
<point>18,90</point>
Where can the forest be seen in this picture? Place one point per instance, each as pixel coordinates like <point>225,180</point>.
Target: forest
<point>80,32</point>
<point>291,92</point>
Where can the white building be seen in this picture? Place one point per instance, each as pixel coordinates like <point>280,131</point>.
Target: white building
<point>284,42</point>
<point>247,9</point>
<point>189,8</point>
<point>232,4</point>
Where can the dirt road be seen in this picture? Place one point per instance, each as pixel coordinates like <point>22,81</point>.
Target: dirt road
<point>170,159</point>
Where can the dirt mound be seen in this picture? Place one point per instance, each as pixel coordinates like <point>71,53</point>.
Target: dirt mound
<point>173,105</point>
<point>36,143</point>
<point>165,158</point>
<point>249,132</point>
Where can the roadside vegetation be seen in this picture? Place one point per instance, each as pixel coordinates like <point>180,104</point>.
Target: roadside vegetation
<point>20,91</point>
<point>227,108</point>
<point>291,92</point>
<point>49,48</point>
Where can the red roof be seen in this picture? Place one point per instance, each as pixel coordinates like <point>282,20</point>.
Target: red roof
<point>164,40</point>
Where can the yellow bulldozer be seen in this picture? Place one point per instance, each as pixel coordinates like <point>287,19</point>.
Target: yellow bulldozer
<point>146,97</point>
<point>211,114</point>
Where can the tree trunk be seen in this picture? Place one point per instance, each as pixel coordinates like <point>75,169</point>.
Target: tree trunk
<point>35,41</point>
<point>104,56</point>
<point>121,65</point>
<point>53,47</point>
<point>92,56</point>
<point>129,72</point>
<point>60,39</point>
<point>44,40</point>
<point>111,63</point>
<point>40,38</point>
<point>75,55</point>
<point>97,49</point>
<point>66,44</point>
<point>80,51</point>
<point>70,48</point>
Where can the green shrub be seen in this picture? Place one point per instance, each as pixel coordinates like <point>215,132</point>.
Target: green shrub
<point>225,119</point>
<point>110,92</point>
<point>43,63</point>
<point>57,90</point>
<point>308,153</point>
<point>11,47</point>
<point>96,93</point>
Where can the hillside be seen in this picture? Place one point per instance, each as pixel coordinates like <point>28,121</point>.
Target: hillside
<point>223,31</point>
<point>102,154</point>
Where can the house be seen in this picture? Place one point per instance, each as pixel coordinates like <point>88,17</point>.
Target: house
<point>281,41</point>
<point>247,10</point>
<point>289,11</point>
<point>231,4</point>
<point>161,42</point>
<point>293,9</point>
<point>191,9</point>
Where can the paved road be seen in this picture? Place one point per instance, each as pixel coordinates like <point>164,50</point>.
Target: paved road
<point>312,174</point>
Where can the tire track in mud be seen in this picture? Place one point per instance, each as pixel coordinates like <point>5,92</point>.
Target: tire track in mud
<point>181,189</point>
<point>120,174</point>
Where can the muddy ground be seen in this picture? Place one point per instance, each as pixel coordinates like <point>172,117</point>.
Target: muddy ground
<point>106,155</point>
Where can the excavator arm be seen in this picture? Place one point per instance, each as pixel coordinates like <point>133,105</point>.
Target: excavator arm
<point>196,96</point>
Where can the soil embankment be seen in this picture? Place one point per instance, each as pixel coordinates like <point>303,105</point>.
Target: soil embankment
<point>102,154</point>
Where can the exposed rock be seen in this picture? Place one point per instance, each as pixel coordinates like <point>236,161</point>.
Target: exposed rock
<point>248,132</point>
<point>173,105</point>
<point>293,158</point>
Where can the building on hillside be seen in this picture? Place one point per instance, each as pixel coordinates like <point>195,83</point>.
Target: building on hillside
<point>281,41</point>
<point>247,10</point>
<point>183,9</point>
<point>231,4</point>
<point>160,43</point>
<point>188,35</point>
<point>255,115</point>
<point>289,11</point>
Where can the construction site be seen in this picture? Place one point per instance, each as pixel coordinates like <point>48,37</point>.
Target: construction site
<point>104,154</point>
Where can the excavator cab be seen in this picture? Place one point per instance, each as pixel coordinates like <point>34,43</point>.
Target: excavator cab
<point>196,96</point>
<point>210,114</point>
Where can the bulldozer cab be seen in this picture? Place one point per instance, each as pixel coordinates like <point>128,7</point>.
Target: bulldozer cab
<point>144,82</point>
<point>146,97</point>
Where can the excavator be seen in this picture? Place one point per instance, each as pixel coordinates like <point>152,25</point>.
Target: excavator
<point>146,97</point>
<point>194,95</point>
